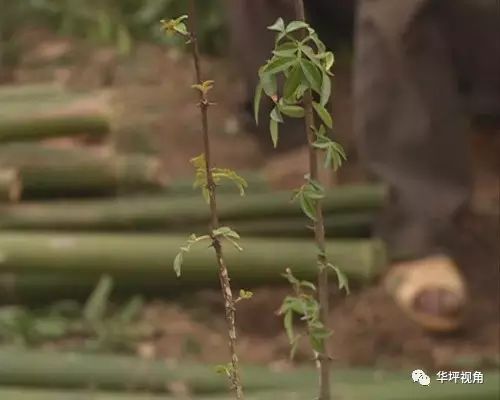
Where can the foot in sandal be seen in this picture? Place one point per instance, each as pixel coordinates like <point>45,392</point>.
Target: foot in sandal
<point>431,291</point>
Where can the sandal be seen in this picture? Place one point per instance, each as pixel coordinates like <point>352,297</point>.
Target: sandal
<point>431,291</point>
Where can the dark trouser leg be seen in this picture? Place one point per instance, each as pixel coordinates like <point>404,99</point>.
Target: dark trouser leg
<point>410,129</point>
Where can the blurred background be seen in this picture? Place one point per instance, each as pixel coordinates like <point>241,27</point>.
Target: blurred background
<point>98,123</point>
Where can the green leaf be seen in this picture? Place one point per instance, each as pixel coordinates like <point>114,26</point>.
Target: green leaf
<point>226,231</point>
<point>311,55</point>
<point>204,87</point>
<point>269,84</point>
<point>97,304</point>
<point>292,303</point>
<point>178,263</point>
<point>308,285</point>
<point>314,195</point>
<point>292,110</point>
<point>326,89</point>
<point>124,41</point>
<point>246,294</point>
<point>342,278</point>
<point>295,345</point>
<point>295,25</point>
<point>339,149</point>
<point>234,243</point>
<point>256,102</point>
<point>329,60</point>
<point>292,83</point>
<point>329,159</point>
<point>312,74</point>
<point>276,115</point>
<point>278,26</point>
<point>287,53</point>
<point>131,310</point>
<point>322,333</point>
<point>288,322</point>
<point>175,26</point>
<point>181,28</point>
<point>281,36</point>
<point>287,46</point>
<point>316,186</point>
<point>289,276</point>
<point>224,369</point>
<point>273,127</point>
<point>224,173</point>
<point>181,18</point>
<point>323,114</point>
<point>307,206</point>
<point>279,64</point>
<point>316,40</point>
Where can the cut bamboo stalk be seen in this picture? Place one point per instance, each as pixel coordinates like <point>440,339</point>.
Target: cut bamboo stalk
<point>27,121</point>
<point>26,287</point>
<point>262,262</point>
<point>160,212</point>
<point>349,225</point>
<point>362,391</point>
<point>21,393</point>
<point>32,92</point>
<point>11,186</point>
<point>36,370</point>
<point>55,172</point>
<point>41,127</point>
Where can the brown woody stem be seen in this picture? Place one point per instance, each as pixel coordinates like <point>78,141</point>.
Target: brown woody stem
<point>227,294</point>
<point>319,231</point>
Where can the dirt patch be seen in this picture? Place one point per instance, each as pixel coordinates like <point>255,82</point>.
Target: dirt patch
<point>369,328</point>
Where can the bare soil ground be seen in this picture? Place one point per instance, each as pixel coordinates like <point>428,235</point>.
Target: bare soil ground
<point>156,113</point>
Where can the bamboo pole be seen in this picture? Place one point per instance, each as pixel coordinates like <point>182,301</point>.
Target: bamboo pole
<point>35,370</point>
<point>64,115</point>
<point>157,212</point>
<point>55,172</point>
<point>42,285</point>
<point>11,186</point>
<point>30,92</point>
<point>262,262</point>
<point>43,127</point>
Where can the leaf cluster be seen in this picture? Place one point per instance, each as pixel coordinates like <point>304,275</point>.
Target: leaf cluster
<point>204,87</point>
<point>175,26</point>
<point>334,152</point>
<point>218,174</point>
<point>179,258</point>
<point>97,324</point>
<point>302,60</point>
<point>305,306</point>
<point>308,195</point>
<point>223,232</point>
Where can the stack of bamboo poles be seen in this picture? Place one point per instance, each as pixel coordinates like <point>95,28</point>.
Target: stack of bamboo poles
<point>44,375</point>
<point>70,214</point>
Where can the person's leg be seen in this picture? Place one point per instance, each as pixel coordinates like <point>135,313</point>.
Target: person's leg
<point>411,132</point>
<point>473,29</point>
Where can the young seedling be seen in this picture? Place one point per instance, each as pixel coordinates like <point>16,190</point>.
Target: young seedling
<point>302,62</point>
<point>207,178</point>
